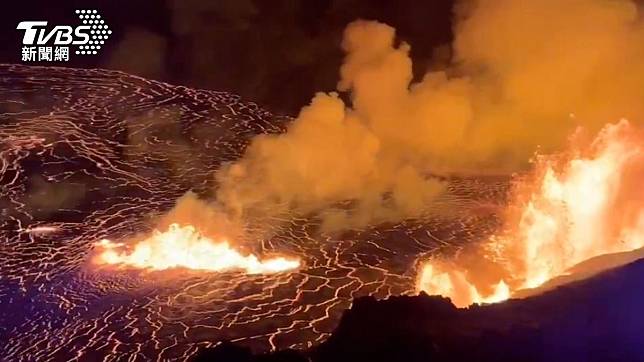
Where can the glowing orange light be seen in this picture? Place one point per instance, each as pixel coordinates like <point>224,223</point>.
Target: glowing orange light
<point>184,247</point>
<point>570,214</point>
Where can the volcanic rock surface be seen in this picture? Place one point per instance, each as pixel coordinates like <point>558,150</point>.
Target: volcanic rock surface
<point>92,154</point>
<point>598,319</point>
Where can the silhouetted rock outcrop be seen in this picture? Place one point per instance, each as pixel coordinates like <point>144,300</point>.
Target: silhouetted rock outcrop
<point>599,319</point>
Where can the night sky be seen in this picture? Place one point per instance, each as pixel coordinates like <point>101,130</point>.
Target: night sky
<point>276,53</point>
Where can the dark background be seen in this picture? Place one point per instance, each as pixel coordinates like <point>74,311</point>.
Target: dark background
<point>277,53</point>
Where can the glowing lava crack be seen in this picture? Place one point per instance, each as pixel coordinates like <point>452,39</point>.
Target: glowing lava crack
<point>185,247</point>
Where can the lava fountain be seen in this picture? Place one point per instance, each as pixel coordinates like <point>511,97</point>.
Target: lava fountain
<point>576,206</point>
<point>185,247</point>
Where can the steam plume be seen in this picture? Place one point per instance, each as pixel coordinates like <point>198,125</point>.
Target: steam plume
<point>524,74</point>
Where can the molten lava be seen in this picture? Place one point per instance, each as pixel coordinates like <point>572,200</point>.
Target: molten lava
<point>184,247</point>
<point>586,203</point>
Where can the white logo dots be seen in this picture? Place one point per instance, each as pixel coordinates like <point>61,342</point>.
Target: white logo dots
<point>99,31</point>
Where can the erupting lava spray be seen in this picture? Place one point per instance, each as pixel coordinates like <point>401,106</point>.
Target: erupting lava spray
<point>578,206</point>
<point>183,246</point>
<point>192,235</point>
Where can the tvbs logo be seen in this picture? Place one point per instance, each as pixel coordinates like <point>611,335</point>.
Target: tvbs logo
<point>63,33</point>
<point>44,43</point>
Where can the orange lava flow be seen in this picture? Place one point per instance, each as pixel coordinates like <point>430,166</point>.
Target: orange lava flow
<point>586,203</point>
<point>184,247</point>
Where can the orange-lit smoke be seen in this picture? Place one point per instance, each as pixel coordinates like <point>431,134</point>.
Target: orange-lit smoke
<point>524,74</point>
<point>577,206</point>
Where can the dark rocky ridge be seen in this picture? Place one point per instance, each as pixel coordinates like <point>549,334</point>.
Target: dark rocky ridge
<point>598,319</point>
